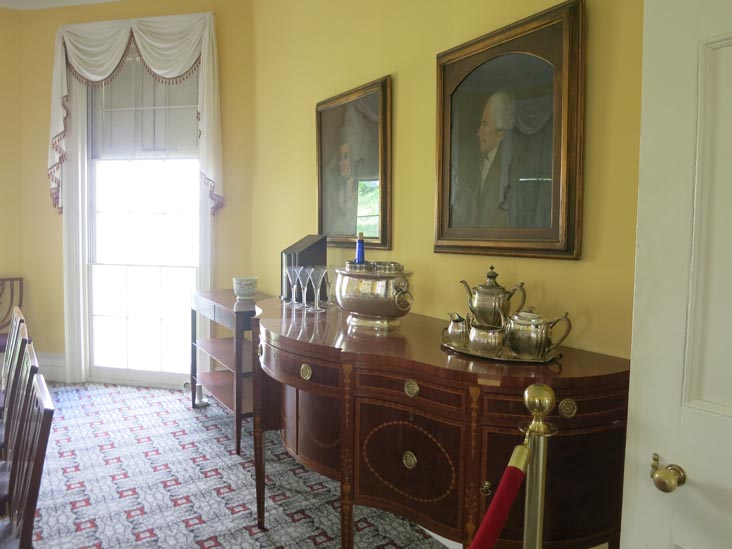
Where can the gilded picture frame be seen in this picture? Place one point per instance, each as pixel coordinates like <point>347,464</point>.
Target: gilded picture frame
<point>510,118</point>
<point>354,165</point>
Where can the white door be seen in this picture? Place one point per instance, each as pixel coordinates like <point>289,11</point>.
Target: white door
<point>681,364</point>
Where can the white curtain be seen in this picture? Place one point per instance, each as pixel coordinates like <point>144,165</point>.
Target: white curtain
<point>171,48</point>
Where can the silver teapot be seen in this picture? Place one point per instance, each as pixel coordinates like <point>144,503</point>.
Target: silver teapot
<point>529,334</point>
<point>485,301</point>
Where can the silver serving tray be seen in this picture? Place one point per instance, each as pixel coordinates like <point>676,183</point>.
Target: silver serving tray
<point>467,350</point>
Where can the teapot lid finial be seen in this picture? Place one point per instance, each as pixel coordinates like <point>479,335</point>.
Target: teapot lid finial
<point>491,283</point>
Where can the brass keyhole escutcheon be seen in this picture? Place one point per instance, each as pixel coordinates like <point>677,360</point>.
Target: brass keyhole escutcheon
<point>411,388</point>
<point>409,460</point>
<point>487,488</point>
<point>669,478</point>
<point>306,372</point>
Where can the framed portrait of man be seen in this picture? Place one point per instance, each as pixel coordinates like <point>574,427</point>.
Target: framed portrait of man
<point>354,172</point>
<point>510,139</point>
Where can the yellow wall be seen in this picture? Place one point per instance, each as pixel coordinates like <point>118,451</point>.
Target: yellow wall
<point>277,60</point>
<point>10,259</point>
<point>310,51</point>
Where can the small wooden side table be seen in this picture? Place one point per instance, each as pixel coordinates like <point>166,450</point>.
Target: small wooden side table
<point>232,384</point>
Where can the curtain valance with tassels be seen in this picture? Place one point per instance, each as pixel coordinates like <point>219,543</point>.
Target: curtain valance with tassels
<point>171,48</point>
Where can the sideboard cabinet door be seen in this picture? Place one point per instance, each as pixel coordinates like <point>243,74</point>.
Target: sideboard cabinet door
<point>410,462</point>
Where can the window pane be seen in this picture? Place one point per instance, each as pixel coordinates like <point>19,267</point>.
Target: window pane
<point>143,292</point>
<point>176,344</point>
<point>109,341</point>
<point>108,290</point>
<point>177,286</point>
<point>144,344</point>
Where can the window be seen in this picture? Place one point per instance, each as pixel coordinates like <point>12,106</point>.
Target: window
<point>369,203</point>
<point>144,210</point>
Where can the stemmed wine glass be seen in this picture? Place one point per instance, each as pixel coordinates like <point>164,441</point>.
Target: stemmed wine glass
<point>329,278</point>
<point>316,276</point>
<point>303,276</point>
<point>296,270</point>
<point>292,281</point>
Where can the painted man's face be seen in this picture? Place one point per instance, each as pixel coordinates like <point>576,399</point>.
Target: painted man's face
<point>488,136</point>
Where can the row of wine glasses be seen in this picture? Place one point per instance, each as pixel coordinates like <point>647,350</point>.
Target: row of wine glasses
<point>303,275</point>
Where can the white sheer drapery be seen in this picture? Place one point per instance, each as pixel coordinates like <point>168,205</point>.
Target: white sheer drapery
<point>171,48</point>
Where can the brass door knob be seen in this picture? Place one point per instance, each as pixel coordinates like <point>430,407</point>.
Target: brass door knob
<point>668,478</point>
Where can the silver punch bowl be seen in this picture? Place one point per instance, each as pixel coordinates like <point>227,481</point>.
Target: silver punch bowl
<point>375,294</point>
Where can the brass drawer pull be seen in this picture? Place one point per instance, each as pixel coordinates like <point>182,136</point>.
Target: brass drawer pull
<point>409,460</point>
<point>306,372</point>
<point>411,388</point>
<point>568,408</point>
<point>487,488</point>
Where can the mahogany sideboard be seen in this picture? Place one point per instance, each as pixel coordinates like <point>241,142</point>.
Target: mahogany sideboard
<point>412,429</point>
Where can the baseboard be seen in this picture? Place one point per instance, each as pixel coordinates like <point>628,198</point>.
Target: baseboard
<point>53,366</point>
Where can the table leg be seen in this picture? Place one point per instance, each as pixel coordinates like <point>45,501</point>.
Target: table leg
<point>346,525</point>
<point>259,474</point>
<point>257,393</point>
<point>346,457</point>
<point>238,362</point>
<point>194,357</point>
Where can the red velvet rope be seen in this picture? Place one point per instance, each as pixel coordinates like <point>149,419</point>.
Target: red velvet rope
<point>497,513</point>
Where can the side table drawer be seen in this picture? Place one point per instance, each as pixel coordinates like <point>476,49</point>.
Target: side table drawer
<point>409,461</point>
<point>302,372</point>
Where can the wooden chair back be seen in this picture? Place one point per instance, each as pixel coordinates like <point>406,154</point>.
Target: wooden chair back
<point>18,395</point>
<point>27,467</point>
<point>15,380</point>
<point>16,319</point>
<point>11,296</point>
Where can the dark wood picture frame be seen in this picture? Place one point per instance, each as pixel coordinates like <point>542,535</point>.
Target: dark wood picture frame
<point>511,183</point>
<point>354,165</point>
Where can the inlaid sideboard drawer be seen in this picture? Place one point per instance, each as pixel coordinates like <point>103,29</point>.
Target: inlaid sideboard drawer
<point>571,410</point>
<point>409,461</point>
<point>413,390</point>
<point>298,371</point>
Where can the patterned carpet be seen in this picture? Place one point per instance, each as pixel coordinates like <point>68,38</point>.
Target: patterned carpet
<point>137,467</point>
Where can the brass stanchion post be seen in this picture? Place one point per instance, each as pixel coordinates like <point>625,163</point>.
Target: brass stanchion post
<point>539,400</point>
